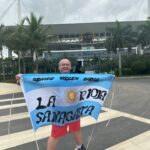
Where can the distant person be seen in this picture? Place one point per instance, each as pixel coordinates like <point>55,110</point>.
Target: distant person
<point>79,68</point>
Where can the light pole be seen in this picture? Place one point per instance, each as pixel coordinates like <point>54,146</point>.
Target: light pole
<point>120,63</point>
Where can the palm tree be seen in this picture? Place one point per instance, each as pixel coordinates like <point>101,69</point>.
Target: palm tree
<point>144,34</point>
<point>37,37</point>
<point>18,41</point>
<point>121,37</point>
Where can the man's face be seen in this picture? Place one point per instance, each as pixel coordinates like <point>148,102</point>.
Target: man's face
<point>64,66</point>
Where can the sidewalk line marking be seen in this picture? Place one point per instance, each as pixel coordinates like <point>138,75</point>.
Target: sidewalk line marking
<point>12,99</point>
<point>14,117</point>
<point>12,106</point>
<point>141,119</point>
<point>138,142</point>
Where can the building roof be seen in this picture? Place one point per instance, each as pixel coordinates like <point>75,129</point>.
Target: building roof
<point>78,28</point>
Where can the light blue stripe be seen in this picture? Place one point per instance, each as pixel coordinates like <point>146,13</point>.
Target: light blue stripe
<point>105,80</point>
<point>90,104</point>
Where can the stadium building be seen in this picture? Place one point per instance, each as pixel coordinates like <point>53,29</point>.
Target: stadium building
<point>83,40</point>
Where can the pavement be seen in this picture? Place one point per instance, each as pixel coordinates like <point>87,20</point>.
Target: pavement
<point>124,123</point>
<point>9,88</point>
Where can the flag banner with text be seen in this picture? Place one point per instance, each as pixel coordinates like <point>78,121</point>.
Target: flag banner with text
<point>64,98</point>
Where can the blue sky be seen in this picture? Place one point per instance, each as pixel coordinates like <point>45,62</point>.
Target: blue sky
<point>75,11</point>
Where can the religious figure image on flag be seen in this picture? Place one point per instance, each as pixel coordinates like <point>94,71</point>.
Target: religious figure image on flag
<point>64,98</point>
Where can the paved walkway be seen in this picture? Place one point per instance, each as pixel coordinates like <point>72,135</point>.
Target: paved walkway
<point>126,131</point>
<point>8,88</point>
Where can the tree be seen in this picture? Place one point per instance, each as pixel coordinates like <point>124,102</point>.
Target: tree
<point>121,37</point>
<point>144,34</point>
<point>37,37</point>
<point>18,41</point>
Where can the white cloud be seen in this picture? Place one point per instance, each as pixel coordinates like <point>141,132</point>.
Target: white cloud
<point>74,11</point>
<point>110,10</point>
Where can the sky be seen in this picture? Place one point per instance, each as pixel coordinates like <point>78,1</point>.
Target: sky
<point>74,11</point>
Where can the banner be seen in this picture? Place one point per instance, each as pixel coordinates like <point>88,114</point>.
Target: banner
<point>63,98</point>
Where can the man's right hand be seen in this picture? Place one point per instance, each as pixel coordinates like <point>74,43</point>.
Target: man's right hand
<point>18,77</point>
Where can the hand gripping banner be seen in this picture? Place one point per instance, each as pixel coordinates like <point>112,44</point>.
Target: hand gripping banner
<point>63,98</point>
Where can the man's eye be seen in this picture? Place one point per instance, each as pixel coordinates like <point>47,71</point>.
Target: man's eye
<point>65,64</point>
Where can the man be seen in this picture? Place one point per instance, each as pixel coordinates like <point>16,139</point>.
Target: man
<point>73,128</point>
